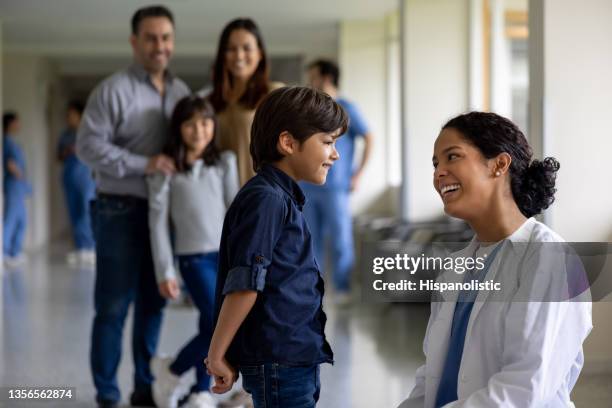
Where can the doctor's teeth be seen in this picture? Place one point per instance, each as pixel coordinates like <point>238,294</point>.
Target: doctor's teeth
<point>450,187</point>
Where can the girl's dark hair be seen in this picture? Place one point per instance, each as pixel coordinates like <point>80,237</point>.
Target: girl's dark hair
<point>300,111</point>
<point>183,111</point>
<point>532,182</point>
<point>257,86</point>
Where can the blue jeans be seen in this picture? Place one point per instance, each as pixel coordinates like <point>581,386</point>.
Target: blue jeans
<point>329,219</point>
<point>199,273</point>
<point>280,386</point>
<point>79,189</point>
<point>124,273</point>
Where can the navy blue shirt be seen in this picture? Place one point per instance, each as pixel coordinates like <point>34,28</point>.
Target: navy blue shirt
<point>266,247</point>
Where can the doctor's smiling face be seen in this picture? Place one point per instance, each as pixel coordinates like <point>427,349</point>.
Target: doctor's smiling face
<point>463,177</point>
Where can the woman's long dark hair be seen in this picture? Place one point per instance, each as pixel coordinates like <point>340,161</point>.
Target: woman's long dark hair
<point>257,86</point>
<point>532,182</point>
<point>184,111</point>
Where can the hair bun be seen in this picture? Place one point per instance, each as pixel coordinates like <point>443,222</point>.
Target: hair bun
<point>538,186</point>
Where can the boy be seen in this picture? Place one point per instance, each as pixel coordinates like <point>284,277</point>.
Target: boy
<point>270,321</point>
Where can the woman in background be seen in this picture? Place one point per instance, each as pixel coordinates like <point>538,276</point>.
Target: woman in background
<point>240,81</point>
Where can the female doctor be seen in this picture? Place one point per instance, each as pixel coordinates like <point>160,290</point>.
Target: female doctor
<point>515,353</point>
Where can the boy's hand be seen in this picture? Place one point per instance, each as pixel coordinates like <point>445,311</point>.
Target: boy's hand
<point>224,374</point>
<point>169,289</point>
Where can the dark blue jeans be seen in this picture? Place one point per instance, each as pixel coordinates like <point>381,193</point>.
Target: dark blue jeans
<point>199,273</point>
<point>124,273</point>
<point>280,386</point>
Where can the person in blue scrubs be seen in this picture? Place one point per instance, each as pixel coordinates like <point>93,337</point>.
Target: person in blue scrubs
<point>327,207</point>
<point>16,190</point>
<point>79,188</point>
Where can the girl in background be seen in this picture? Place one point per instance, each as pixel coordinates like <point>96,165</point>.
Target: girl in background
<point>190,205</point>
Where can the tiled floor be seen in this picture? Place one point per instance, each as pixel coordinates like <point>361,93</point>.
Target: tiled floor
<point>46,321</point>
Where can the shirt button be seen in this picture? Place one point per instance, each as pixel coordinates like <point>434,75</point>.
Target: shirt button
<point>463,378</point>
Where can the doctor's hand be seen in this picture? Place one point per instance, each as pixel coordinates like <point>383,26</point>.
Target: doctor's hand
<point>224,375</point>
<point>169,289</point>
<point>160,164</point>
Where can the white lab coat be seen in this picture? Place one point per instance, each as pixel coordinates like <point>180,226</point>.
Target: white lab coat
<point>517,354</point>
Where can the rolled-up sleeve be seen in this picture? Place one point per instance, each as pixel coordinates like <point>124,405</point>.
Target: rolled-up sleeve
<point>159,225</point>
<point>251,241</point>
<point>95,137</point>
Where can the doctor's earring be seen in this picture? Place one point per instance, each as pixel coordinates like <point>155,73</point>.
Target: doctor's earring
<point>497,173</point>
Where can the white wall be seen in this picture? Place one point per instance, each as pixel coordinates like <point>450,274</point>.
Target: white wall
<point>578,105</point>
<point>363,57</point>
<point>437,89</point>
<point>577,100</point>
<point>27,80</point>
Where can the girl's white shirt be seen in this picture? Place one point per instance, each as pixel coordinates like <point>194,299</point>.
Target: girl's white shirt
<point>191,206</point>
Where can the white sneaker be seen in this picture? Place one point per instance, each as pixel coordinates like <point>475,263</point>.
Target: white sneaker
<point>87,257</point>
<point>11,262</point>
<point>202,399</point>
<point>167,388</point>
<point>72,258</point>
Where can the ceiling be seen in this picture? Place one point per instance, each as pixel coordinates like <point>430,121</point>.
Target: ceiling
<point>101,27</point>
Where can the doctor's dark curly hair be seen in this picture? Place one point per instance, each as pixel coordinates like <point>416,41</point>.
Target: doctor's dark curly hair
<point>532,182</point>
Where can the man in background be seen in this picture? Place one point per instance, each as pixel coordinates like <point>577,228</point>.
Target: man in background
<point>122,133</point>
<point>327,207</point>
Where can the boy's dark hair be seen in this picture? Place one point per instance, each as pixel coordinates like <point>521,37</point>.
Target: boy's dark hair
<point>151,11</point>
<point>532,182</point>
<point>7,119</point>
<point>298,110</point>
<point>327,68</point>
<point>183,111</point>
<point>257,85</point>
<point>76,106</point>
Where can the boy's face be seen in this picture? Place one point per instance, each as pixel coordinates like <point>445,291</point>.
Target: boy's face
<point>314,157</point>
